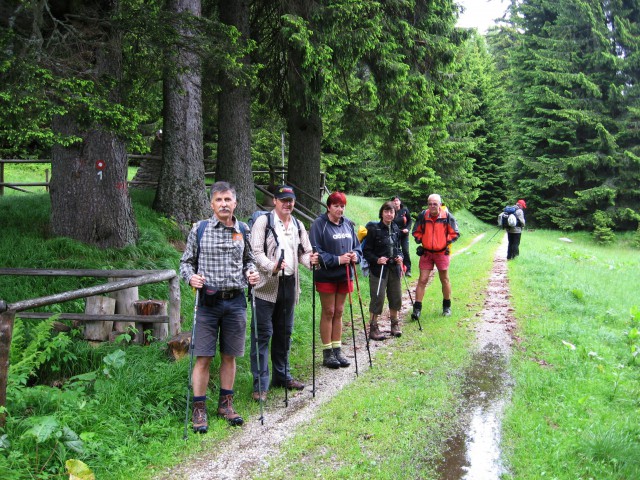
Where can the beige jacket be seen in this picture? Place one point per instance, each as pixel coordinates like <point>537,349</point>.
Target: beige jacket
<point>267,287</point>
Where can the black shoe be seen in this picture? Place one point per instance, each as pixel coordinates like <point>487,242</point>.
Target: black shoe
<point>344,363</point>
<point>417,309</point>
<point>329,359</point>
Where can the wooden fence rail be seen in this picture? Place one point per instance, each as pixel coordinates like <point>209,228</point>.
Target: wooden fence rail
<point>135,278</point>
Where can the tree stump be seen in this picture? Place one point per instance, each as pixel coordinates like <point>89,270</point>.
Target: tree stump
<point>99,305</point>
<point>148,308</point>
<point>178,345</point>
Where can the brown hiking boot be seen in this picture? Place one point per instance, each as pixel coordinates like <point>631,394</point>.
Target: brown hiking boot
<point>259,396</point>
<point>395,328</point>
<point>374,331</point>
<point>226,411</point>
<point>199,417</point>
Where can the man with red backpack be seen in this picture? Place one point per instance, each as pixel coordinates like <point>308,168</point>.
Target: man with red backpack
<point>435,229</point>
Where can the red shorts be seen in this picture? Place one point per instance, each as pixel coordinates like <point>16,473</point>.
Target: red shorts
<point>334,287</point>
<point>440,260</point>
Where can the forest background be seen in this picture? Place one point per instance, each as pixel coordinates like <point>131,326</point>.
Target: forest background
<point>385,97</point>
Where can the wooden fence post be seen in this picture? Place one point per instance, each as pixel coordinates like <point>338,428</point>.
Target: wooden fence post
<point>99,305</point>
<point>6,332</point>
<point>125,300</point>
<point>174,306</point>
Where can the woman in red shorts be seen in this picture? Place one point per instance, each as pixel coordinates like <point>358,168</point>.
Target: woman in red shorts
<point>335,240</point>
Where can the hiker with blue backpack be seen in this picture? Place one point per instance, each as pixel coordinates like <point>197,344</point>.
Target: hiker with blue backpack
<point>514,232</point>
<point>219,264</point>
<point>403,220</point>
<point>280,243</point>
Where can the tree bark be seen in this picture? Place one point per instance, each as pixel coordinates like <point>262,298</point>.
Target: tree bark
<point>234,118</point>
<point>304,122</point>
<point>89,197</point>
<point>181,193</point>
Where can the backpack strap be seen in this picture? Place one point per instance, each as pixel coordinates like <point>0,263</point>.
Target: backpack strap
<point>201,227</point>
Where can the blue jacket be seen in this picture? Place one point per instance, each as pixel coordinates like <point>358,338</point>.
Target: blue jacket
<point>331,241</point>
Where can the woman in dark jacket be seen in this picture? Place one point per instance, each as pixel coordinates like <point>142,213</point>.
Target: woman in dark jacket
<point>335,240</point>
<point>382,251</point>
<point>403,221</point>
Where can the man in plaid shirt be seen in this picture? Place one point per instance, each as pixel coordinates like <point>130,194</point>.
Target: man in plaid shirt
<point>220,267</point>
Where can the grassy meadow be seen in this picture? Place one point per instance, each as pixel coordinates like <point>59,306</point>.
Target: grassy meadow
<point>120,408</point>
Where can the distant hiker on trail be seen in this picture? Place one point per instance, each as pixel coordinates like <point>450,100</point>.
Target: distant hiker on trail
<point>219,264</point>
<point>435,229</point>
<point>514,233</point>
<point>334,238</point>
<point>383,252</point>
<point>403,220</point>
<point>279,243</point>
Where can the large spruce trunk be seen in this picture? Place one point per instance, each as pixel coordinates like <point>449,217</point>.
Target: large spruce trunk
<point>234,119</point>
<point>89,196</point>
<point>181,192</point>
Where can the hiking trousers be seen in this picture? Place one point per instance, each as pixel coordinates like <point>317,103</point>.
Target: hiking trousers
<point>275,327</point>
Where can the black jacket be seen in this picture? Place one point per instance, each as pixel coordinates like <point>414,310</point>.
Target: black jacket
<point>403,219</point>
<point>382,241</point>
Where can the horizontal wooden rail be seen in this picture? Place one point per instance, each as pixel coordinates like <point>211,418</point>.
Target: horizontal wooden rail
<point>95,318</point>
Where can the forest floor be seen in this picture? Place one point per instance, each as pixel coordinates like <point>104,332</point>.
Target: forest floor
<point>252,446</point>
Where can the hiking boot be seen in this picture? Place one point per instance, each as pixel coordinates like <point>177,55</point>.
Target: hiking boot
<point>417,309</point>
<point>374,331</point>
<point>291,384</point>
<point>199,417</point>
<point>408,273</point>
<point>337,352</point>
<point>329,359</point>
<point>226,411</point>
<point>259,396</point>
<point>446,312</point>
<point>395,328</point>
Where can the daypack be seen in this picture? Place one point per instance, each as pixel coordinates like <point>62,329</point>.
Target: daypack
<point>507,218</point>
<point>270,227</point>
<point>362,237</point>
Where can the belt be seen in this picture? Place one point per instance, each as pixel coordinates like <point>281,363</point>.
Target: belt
<point>228,294</point>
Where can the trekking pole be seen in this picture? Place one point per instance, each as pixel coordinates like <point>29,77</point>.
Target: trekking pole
<point>190,374</point>
<point>284,332</point>
<point>410,297</point>
<point>353,330</point>
<point>254,319</point>
<point>380,280</point>
<point>364,324</point>
<point>494,235</point>
<point>313,316</point>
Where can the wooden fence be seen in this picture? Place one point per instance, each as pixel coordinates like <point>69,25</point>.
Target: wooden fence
<point>127,279</point>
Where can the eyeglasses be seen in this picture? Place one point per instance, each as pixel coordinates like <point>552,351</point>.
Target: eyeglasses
<point>286,200</point>
<point>431,204</point>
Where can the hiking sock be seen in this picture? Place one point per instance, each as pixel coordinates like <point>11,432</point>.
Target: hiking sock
<point>337,344</point>
<point>446,303</point>
<point>224,392</point>
<point>327,346</point>
<point>202,398</point>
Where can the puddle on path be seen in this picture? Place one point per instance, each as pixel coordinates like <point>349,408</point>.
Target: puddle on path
<point>474,452</point>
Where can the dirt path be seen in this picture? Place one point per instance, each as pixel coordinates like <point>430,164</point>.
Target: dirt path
<point>259,443</point>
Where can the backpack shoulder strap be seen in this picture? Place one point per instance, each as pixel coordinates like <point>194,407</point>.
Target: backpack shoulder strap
<point>201,227</point>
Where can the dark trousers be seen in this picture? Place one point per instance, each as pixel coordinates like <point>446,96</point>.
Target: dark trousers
<point>406,258</point>
<point>513,249</point>
<point>275,324</point>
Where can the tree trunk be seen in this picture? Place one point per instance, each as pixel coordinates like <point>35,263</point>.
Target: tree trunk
<point>304,123</point>
<point>234,118</point>
<point>305,136</point>
<point>89,197</point>
<point>181,193</point>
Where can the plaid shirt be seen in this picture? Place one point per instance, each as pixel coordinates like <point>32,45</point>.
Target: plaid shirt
<point>225,256</point>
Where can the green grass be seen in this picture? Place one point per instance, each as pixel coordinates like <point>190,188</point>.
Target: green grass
<point>575,411</point>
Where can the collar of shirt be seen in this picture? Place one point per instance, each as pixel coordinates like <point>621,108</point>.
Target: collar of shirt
<point>285,238</point>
